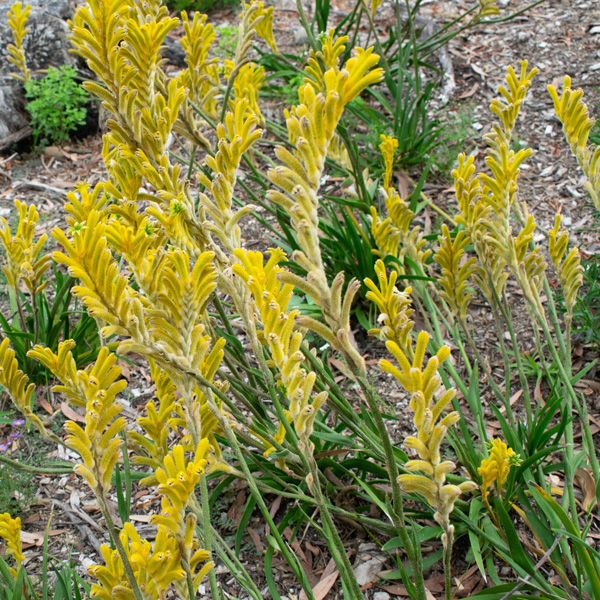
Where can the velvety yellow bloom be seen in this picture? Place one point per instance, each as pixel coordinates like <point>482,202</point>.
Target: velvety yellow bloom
<point>577,124</point>
<point>23,261</point>
<point>388,147</point>
<point>16,383</point>
<point>423,383</point>
<point>272,298</point>
<point>393,306</point>
<point>10,532</point>
<point>455,276</point>
<point>570,271</point>
<point>326,58</point>
<point>154,569</point>
<point>496,467</point>
<point>177,481</point>
<point>17,21</point>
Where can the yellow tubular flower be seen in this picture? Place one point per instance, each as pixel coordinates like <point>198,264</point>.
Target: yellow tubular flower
<point>495,468</point>
<point>177,481</point>
<point>154,568</point>
<point>99,444</point>
<point>455,276</point>
<point>311,126</point>
<point>422,384</point>
<point>569,270</point>
<point>264,27</point>
<point>487,8</point>
<point>514,96</point>
<point>388,147</point>
<point>328,57</point>
<point>247,83</point>
<point>393,306</point>
<point>10,532</point>
<point>271,298</point>
<point>23,263</point>
<point>577,124</point>
<point>236,135</point>
<point>374,6</point>
<point>17,21</point>
<point>16,383</point>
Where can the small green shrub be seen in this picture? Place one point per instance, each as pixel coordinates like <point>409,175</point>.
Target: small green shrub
<point>203,6</point>
<point>57,105</point>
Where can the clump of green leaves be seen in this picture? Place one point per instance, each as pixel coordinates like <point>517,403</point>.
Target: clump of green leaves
<point>586,314</point>
<point>228,35</point>
<point>16,490</point>
<point>57,105</point>
<point>204,6</point>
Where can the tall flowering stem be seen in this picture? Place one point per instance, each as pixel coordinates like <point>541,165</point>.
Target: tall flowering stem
<point>422,383</point>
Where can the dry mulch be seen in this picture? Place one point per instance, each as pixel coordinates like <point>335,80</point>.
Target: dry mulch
<point>557,38</point>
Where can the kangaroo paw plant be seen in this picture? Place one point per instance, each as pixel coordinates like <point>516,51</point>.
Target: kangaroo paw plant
<point>238,345</point>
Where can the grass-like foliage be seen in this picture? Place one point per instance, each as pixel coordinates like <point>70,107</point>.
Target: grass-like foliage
<point>236,340</point>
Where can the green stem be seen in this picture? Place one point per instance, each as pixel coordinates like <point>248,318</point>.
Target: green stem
<point>337,548</point>
<point>256,494</point>
<point>397,512</point>
<point>204,499</point>
<point>112,530</point>
<point>19,466</point>
<point>505,309</point>
<point>449,531</point>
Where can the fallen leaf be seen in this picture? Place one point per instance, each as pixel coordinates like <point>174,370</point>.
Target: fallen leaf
<point>46,406</point>
<point>36,538</point>
<point>140,518</point>
<point>470,92</point>
<point>70,413</point>
<point>586,483</point>
<point>255,537</point>
<point>326,582</point>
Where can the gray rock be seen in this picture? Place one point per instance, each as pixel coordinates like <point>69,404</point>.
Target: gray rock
<point>46,45</point>
<point>381,596</point>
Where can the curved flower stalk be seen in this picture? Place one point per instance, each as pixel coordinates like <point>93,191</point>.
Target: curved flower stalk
<point>201,77</point>
<point>568,268</point>
<point>494,470</point>
<point>423,384</point>
<point>10,532</point>
<point>236,135</point>
<point>577,124</point>
<point>24,265</point>
<point>311,126</point>
<point>17,21</point>
<point>271,299</point>
<point>456,272</point>
<point>393,306</point>
<point>395,235</point>
<point>16,383</point>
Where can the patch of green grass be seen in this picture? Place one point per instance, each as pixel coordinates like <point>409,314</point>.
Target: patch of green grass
<point>227,40</point>
<point>456,131</point>
<point>203,6</point>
